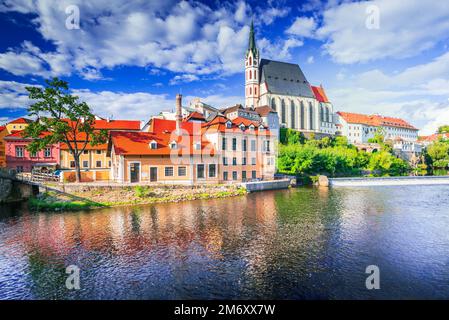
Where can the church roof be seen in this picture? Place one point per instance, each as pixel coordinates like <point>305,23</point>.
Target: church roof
<point>319,93</point>
<point>252,40</point>
<point>284,78</point>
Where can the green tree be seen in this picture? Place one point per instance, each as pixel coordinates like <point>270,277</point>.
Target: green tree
<point>439,154</point>
<point>379,136</point>
<point>443,129</point>
<point>60,117</point>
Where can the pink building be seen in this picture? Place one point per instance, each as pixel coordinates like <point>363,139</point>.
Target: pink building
<point>20,159</point>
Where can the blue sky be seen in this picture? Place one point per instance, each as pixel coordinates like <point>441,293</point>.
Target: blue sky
<point>128,59</point>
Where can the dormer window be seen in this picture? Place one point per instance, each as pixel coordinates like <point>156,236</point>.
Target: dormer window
<point>228,124</point>
<point>242,127</point>
<point>153,145</point>
<point>173,145</point>
<point>261,128</point>
<point>251,127</point>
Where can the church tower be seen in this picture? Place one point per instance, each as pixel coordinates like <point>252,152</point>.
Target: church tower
<point>252,72</point>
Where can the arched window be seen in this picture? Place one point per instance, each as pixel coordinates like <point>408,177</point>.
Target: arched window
<point>254,74</point>
<point>302,112</point>
<point>249,72</point>
<point>255,91</point>
<point>283,110</point>
<point>273,104</point>
<point>292,114</point>
<point>250,60</point>
<point>250,91</point>
<point>311,116</point>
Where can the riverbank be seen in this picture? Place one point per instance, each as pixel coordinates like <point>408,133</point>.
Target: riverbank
<point>92,197</point>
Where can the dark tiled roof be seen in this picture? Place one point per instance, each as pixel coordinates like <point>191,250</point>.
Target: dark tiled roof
<point>284,78</point>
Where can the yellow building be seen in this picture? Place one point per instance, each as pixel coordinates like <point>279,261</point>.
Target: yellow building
<point>95,163</point>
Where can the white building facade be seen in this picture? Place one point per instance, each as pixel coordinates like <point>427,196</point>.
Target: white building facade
<point>359,128</point>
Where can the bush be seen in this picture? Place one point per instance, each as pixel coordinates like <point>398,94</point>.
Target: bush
<point>143,192</point>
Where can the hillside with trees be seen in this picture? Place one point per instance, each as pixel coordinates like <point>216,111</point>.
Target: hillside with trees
<point>334,157</point>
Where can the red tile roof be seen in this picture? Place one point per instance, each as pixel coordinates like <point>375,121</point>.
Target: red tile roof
<point>434,137</point>
<point>239,120</point>
<point>18,135</point>
<point>375,120</point>
<point>319,93</point>
<point>115,124</point>
<point>2,128</point>
<point>195,116</point>
<point>264,110</point>
<point>167,126</point>
<point>21,121</point>
<point>103,146</point>
<point>138,143</point>
<point>219,124</point>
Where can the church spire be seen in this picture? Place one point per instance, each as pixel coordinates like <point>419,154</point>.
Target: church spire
<point>252,40</point>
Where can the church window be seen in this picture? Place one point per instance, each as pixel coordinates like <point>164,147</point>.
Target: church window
<point>311,116</point>
<point>283,110</point>
<point>322,114</point>
<point>255,90</point>
<point>254,73</point>
<point>292,114</point>
<point>273,104</point>
<point>302,115</point>
<point>250,91</point>
<point>250,61</point>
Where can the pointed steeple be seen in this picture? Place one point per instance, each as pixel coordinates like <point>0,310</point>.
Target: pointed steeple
<point>252,40</point>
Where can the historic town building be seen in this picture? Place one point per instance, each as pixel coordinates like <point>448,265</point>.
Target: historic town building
<point>191,150</point>
<point>284,87</point>
<point>359,128</point>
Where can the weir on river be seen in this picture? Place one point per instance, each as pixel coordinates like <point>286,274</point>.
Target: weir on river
<point>389,181</point>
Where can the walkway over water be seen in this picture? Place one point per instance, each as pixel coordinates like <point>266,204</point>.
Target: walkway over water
<point>389,181</point>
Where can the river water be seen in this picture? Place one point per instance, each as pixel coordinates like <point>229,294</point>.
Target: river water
<point>305,243</point>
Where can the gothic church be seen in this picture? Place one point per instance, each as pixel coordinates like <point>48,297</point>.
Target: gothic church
<point>284,87</point>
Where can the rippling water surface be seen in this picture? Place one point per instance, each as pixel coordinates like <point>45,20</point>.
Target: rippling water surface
<point>306,243</point>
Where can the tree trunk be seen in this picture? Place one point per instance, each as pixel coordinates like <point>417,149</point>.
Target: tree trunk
<point>76,158</point>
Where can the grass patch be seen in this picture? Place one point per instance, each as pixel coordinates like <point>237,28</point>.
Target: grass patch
<point>143,192</point>
<point>48,204</point>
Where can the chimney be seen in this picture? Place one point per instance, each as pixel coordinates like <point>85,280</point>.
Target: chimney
<point>178,113</point>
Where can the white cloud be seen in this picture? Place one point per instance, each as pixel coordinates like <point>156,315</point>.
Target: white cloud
<point>14,95</point>
<point>268,15</point>
<point>406,28</point>
<point>119,105</point>
<point>303,27</point>
<point>183,78</point>
<point>279,50</point>
<point>310,60</point>
<point>418,94</point>
<point>182,37</point>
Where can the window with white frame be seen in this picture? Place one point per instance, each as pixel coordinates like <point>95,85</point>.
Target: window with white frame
<point>200,171</point>
<point>212,170</point>
<point>19,152</point>
<point>169,171</point>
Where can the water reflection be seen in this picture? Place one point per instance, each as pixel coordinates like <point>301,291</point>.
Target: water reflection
<point>300,243</point>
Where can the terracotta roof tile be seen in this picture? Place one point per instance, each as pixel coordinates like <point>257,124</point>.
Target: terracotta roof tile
<point>319,94</point>
<point>21,121</point>
<point>138,143</point>
<point>375,120</point>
